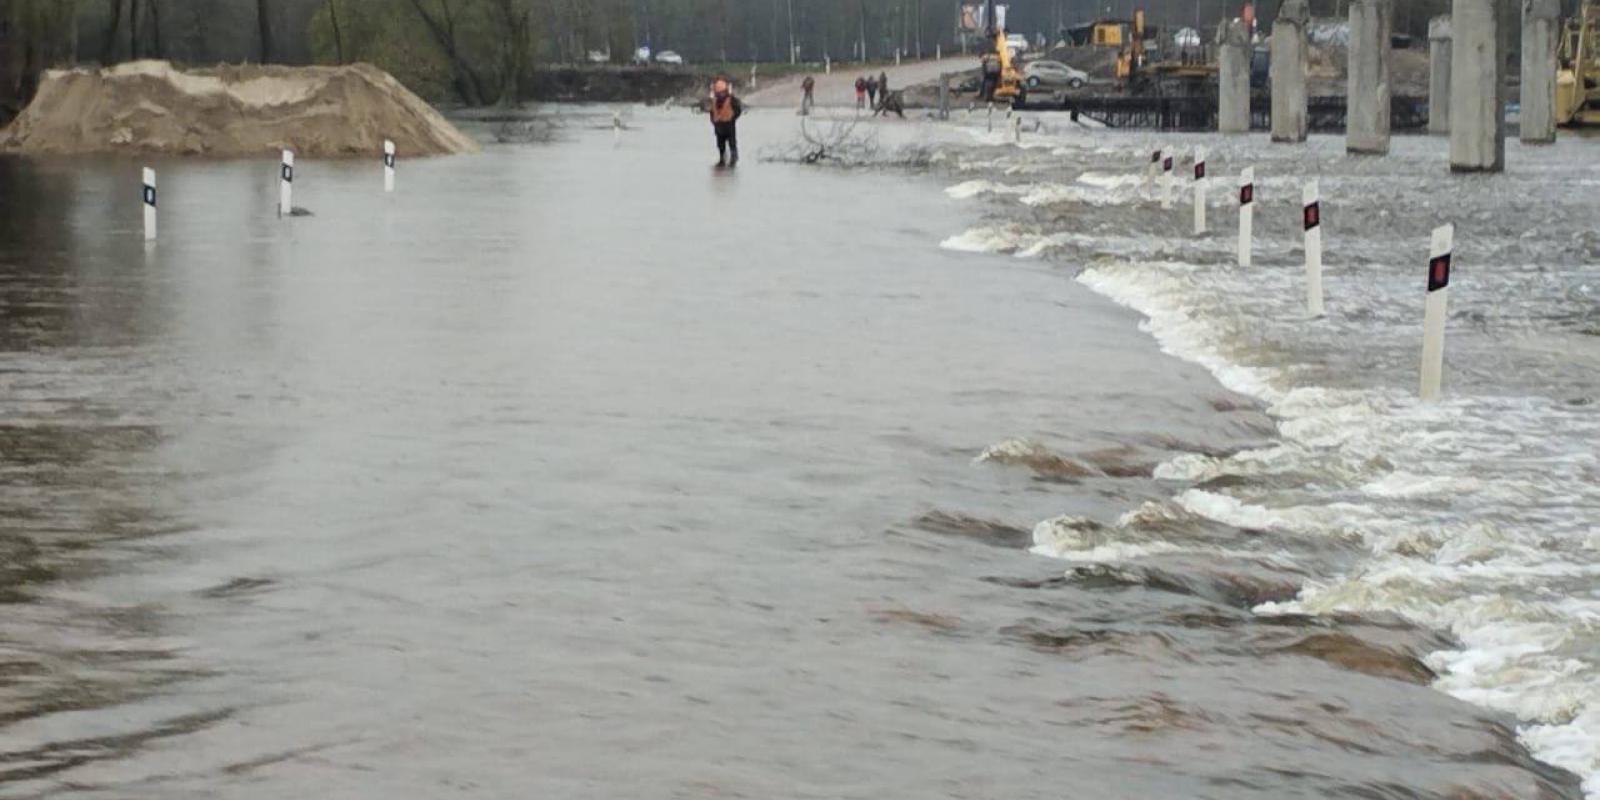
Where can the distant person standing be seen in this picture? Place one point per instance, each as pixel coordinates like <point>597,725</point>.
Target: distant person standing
<point>861,93</point>
<point>725,112</point>
<point>872,92</point>
<point>883,85</point>
<point>807,87</point>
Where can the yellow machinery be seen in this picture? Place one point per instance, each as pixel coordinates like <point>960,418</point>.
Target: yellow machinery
<point>1002,80</point>
<point>1131,57</point>
<point>1578,73</point>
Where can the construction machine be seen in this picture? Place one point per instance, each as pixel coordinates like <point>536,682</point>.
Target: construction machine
<point>1578,69</point>
<point>1002,81</point>
<point>1131,57</point>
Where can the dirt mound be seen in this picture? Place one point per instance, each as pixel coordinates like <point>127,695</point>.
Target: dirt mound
<point>229,111</point>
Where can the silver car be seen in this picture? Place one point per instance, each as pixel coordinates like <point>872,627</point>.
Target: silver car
<point>1053,73</point>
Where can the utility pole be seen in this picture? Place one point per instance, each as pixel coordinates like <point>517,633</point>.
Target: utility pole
<point>793,54</point>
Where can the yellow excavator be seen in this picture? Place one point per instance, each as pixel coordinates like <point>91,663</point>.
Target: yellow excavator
<point>1578,70</point>
<point>1002,81</point>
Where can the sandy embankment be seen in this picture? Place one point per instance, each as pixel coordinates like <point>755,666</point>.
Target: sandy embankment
<point>229,111</point>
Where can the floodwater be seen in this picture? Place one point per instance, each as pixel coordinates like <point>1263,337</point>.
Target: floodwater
<point>577,469</point>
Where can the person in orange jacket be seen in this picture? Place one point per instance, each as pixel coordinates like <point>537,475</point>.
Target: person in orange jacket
<point>725,112</point>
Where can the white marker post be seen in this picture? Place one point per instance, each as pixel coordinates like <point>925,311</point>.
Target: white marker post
<point>149,204</point>
<point>1016,128</point>
<point>1166,181</point>
<point>1247,207</point>
<point>1433,319</point>
<point>1199,191</point>
<point>1313,224</point>
<point>286,184</point>
<point>1151,169</point>
<point>388,165</point>
<point>991,117</point>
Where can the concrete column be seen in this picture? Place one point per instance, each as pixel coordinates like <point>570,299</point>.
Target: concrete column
<point>1233,83</point>
<point>1541,25</point>
<point>1288,72</point>
<point>1439,75</point>
<point>1477,87</point>
<point>1367,104</point>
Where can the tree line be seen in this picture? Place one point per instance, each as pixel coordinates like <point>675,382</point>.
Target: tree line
<point>485,51</point>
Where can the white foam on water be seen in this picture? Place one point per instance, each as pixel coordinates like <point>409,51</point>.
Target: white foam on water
<point>974,188</point>
<point>1525,649</point>
<point>990,239</point>
<point>1475,514</point>
<point>1112,180</point>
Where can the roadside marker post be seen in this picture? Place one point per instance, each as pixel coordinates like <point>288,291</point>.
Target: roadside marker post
<point>149,204</point>
<point>1166,181</point>
<point>1247,204</point>
<point>286,184</point>
<point>1440,256</point>
<point>1312,216</point>
<point>1199,191</point>
<point>388,165</point>
<point>1150,170</point>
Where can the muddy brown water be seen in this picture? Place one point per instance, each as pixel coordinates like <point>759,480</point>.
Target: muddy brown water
<point>581,471</point>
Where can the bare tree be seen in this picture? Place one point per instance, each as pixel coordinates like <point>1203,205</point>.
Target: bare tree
<point>338,37</point>
<point>443,30</point>
<point>135,17</point>
<point>108,51</point>
<point>514,19</point>
<point>263,28</point>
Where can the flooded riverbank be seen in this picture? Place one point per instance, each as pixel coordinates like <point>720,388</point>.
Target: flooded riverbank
<point>582,470</point>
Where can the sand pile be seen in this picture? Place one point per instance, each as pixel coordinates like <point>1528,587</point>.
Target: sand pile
<point>153,107</point>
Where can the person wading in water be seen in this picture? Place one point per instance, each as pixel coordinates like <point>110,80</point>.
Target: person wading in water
<point>725,112</point>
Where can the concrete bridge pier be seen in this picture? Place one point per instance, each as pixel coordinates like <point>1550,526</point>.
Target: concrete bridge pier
<point>1233,82</point>
<point>1288,72</point>
<point>1439,41</point>
<point>1541,25</point>
<point>1367,118</point>
<point>1477,87</point>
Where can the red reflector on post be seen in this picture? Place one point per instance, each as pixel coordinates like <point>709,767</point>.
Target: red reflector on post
<point>1247,194</point>
<point>1313,215</point>
<point>1439,272</point>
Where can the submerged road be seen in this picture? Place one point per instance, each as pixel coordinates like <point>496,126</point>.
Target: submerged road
<point>585,471</point>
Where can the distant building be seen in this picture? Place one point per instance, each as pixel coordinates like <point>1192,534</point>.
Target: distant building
<point>1104,33</point>
<point>1100,33</point>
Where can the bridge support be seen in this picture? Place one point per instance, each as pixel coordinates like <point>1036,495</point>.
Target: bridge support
<point>1477,87</point>
<point>1439,41</point>
<point>1541,21</point>
<point>1288,72</point>
<point>1233,88</point>
<point>1367,122</point>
